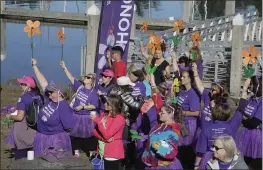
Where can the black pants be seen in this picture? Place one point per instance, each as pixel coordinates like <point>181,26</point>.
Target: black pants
<point>186,155</point>
<point>84,144</point>
<point>253,164</point>
<point>112,165</point>
<point>21,153</point>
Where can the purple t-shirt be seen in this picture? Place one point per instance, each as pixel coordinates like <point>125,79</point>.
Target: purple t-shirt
<point>253,108</point>
<point>55,117</point>
<point>206,111</point>
<point>25,100</point>
<point>189,100</point>
<point>139,89</point>
<point>104,90</point>
<point>223,165</point>
<point>213,129</point>
<point>85,97</point>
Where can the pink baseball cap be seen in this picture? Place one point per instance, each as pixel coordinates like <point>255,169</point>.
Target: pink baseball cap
<point>28,80</point>
<point>108,73</point>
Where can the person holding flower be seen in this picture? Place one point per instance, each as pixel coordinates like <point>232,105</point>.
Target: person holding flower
<point>86,101</point>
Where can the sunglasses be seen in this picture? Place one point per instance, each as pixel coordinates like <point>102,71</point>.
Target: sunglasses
<point>105,76</point>
<point>51,92</point>
<point>216,147</point>
<point>22,84</point>
<point>87,77</point>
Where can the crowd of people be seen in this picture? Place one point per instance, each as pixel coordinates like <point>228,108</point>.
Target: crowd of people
<point>136,118</point>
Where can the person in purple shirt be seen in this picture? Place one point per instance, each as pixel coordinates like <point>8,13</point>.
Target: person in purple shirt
<point>55,119</point>
<point>216,94</point>
<point>190,103</point>
<point>220,126</point>
<point>249,137</point>
<point>21,137</point>
<point>137,77</point>
<point>105,87</point>
<point>86,101</point>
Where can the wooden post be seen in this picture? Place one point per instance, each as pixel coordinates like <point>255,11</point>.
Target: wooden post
<point>3,40</point>
<point>230,7</point>
<point>92,36</point>
<point>187,13</point>
<point>236,58</point>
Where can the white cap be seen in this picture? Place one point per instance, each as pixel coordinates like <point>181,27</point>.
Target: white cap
<point>124,81</point>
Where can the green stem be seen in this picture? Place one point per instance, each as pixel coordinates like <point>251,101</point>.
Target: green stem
<point>62,53</point>
<point>32,46</point>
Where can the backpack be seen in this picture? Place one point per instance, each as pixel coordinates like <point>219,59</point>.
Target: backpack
<point>32,111</point>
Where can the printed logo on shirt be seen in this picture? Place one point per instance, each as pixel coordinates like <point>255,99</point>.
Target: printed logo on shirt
<point>181,100</point>
<point>47,112</point>
<point>82,97</point>
<point>249,110</point>
<point>207,113</point>
<point>136,91</point>
<point>218,132</point>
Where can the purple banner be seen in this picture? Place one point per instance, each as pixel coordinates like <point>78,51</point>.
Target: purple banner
<point>114,29</point>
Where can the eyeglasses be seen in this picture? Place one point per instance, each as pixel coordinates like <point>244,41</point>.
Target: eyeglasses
<point>216,147</point>
<point>22,84</point>
<point>51,92</point>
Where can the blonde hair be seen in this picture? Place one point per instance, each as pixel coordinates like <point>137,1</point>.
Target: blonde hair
<point>93,79</point>
<point>229,145</point>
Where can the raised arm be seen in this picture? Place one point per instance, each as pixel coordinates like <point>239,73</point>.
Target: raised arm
<point>143,51</point>
<point>69,75</point>
<point>245,87</point>
<point>40,77</point>
<point>175,65</point>
<point>109,58</point>
<point>198,81</point>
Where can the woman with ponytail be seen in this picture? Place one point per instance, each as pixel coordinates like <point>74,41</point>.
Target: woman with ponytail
<point>163,140</point>
<point>249,137</point>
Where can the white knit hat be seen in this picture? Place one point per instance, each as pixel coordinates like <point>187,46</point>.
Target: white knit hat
<point>124,81</point>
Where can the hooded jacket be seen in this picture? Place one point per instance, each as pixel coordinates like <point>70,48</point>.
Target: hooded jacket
<point>237,163</point>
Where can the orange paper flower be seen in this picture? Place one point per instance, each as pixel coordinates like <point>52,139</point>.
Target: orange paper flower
<point>250,56</point>
<point>178,24</point>
<point>196,37</point>
<point>144,27</point>
<point>32,27</point>
<point>61,36</point>
<point>154,43</point>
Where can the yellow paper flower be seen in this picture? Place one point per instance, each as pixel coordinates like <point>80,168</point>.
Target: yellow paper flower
<point>178,24</point>
<point>32,27</point>
<point>250,56</point>
<point>144,27</point>
<point>176,85</point>
<point>154,43</point>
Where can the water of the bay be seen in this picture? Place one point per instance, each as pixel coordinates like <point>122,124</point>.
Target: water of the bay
<point>16,61</point>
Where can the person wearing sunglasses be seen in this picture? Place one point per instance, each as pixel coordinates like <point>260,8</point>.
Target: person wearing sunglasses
<point>86,101</point>
<point>221,125</point>
<point>109,130</point>
<point>161,150</point>
<point>55,119</point>
<point>21,136</point>
<point>105,86</point>
<point>249,137</point>
<point>226,155</point>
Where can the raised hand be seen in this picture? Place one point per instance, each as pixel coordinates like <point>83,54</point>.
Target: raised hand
<point>194,68</point>
<point>33,61</point>
<point>63,65</point>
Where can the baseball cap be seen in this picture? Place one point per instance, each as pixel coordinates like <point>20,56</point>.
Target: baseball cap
<point>54,87</point>
<point>108,73</point>
<point>28,80</point>
<point>124,81</point>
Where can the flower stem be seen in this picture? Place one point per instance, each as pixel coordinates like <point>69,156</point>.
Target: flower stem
<point>32,47</point>
<point>61,52</point>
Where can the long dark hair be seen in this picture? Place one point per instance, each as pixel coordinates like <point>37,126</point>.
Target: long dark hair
<point>176,110</point>
<point>257,85</point>
<point>116,104</point>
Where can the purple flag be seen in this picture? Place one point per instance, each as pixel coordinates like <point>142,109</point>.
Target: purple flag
<point>114,30</point>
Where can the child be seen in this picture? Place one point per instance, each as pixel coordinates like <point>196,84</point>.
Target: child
<point>118,66</point>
